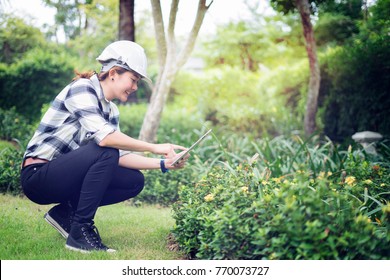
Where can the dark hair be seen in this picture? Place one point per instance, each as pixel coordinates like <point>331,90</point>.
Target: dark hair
<point>102,75</point>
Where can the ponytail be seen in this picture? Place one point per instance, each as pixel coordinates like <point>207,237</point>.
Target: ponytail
<point>83,75</point>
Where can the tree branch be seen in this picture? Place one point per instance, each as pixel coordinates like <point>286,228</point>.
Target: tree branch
<point>171,40</point>
<point>172,20</point>
<point>159,32</point>
<point>190,43</point>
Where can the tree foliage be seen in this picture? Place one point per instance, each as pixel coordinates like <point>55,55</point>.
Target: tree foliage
<point>17,37</point>
<point>70,15</point>
<point>254,47</point>
<point>356,88</point>
<point>32,70</point>
<point>102,29</point>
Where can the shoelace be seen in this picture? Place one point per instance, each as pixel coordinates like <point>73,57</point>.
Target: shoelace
<point>94,233</point>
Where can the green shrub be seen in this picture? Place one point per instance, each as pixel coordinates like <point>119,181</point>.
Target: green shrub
<point>10,162</point>
<point>14,127</point>
<point>300,200</point>
<point>33,81</point>
<point>163,188</point>
<point>6,144</point>
<point>232,215</point>
<point>368,181</point>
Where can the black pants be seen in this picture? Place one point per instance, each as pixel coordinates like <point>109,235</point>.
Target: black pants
<point>86,178</point>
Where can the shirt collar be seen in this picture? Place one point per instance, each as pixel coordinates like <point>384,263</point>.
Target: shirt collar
<point>98,87</point>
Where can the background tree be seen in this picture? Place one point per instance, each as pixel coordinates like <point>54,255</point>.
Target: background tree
<point>338,21</point>
<point>126,20</point>
<point>103,17</point>
<point>259,44</point>
<point>169,61</point>
<point>70,15</point>
<point>304,9</point>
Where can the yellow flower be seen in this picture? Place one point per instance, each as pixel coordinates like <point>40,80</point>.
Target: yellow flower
<point>363,219</point>
<point>350,180</point>
<point>267,198</point>
<point>386,208</point>
<point>244,189</point>
<point>277,180</point>
<point>321,175</point>
<point>367,182</point>
<point>209,197</point>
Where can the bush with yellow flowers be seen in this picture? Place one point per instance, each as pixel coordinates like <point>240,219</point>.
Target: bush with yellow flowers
<point>234,214</point>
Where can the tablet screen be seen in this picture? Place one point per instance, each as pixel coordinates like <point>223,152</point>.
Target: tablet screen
<point>190,148</point>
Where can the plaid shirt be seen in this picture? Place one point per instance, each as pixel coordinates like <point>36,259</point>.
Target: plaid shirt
<point>80,113</point>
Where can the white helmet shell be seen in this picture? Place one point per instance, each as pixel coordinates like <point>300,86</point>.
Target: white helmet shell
<point>124,53</point>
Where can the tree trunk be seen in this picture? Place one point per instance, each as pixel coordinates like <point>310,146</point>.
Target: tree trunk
<point>314,82</point>
<point>169,62</point>
<point>126,20</point>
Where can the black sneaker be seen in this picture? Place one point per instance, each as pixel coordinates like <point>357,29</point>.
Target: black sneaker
<point>60,217</point>
<point>85,238</point>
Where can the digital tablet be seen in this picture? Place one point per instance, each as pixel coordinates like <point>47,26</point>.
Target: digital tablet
<point>190,148</point>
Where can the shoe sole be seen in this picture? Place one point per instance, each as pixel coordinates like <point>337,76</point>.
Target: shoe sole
<point>77,249</point>
<point>55,225</point>
<point>87,252</point>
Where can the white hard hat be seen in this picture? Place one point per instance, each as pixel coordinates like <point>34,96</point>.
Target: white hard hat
<point>126,54</point>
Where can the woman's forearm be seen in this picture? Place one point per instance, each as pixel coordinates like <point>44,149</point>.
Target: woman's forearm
<point>121,141</point>
<point>135,161</point>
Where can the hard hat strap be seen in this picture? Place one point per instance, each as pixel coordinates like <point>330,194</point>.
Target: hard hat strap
<point>111,63</point>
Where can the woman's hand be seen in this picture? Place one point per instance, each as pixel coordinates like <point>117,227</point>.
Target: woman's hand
<point>179,164</point>
<point>167,150</point>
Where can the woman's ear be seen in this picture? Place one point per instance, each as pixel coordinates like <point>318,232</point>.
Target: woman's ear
<point>111,74</point>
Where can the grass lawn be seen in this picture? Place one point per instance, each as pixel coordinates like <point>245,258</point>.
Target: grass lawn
<point>137,233</point>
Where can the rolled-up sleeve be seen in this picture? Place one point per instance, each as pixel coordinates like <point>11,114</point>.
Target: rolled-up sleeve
<point>102,133</point>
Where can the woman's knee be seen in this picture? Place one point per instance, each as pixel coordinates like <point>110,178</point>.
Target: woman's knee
<point>137,182</point>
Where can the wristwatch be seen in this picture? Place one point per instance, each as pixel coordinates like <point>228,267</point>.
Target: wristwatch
<point>162,166</point>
